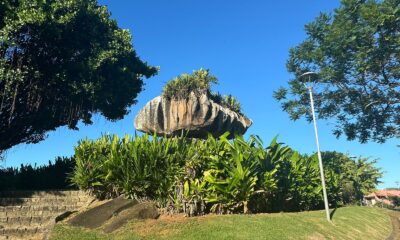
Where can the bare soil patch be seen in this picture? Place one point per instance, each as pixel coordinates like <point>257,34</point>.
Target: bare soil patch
<point>395,217</point>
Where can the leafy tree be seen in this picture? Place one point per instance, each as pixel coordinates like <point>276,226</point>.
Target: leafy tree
<point>356,177</point>
<point>395,201</point>
<point>62,62</point>
<point>356,52</point>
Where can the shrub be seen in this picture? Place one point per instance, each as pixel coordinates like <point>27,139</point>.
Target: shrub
<point>140,167</point>
<point>28,177</point>
<point>89,173</point>
<point>231,174</point>
<point>395,201</point>
<point>214,175</point>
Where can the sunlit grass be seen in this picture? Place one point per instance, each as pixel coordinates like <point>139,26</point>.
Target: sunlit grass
<point>347,223</point>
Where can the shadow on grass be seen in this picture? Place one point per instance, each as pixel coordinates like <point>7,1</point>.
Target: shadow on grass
<point>332,213</point>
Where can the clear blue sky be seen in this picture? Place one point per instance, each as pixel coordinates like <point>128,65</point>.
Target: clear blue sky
<point>245,44</point>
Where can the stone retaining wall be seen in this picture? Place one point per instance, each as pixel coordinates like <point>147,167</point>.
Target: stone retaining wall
<point>31,214</point>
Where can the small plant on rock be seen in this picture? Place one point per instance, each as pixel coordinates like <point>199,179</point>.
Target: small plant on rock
<point>199,82</point>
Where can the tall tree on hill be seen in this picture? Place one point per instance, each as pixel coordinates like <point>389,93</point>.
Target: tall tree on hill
<point>61,62</point>
<point>356,52</point>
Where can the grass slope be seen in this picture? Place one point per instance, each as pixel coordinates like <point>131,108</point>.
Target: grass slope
<point>348,223</point>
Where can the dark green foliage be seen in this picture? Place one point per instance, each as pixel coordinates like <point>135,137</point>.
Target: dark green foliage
<point>395,201</point>
<point>298,183</point>
<point>140,167</point>
<point>218,175</point>
<point>230,175</point>
<point>52,176</point>
<point>199,82</point>
<point>62,62</point>
<point>353,178</point>
<point>356,52</point>
<point>231,102</point>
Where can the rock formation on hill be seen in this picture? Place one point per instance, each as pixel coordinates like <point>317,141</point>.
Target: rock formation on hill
<point>196,116</point>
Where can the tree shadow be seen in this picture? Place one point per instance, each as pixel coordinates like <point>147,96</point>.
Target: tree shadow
<point>332,213</point>
<point>19,197</point>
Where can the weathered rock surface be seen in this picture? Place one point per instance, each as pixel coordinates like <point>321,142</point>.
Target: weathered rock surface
<point>146,210</point>
<point>196,115</point>
<point>114,214</point>
<point>97,216</point>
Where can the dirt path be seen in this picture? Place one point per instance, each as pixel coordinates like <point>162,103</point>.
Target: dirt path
<point>395,217</point>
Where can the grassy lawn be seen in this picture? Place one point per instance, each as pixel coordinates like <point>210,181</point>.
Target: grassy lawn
<point>348,223</point>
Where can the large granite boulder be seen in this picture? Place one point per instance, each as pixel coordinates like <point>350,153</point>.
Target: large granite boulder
<point>197,116</point>
<point>97,216</point>
<point>114,214</point>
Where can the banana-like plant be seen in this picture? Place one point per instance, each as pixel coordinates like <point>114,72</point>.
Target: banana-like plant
<point>89,170</point>
<point>140,167</point>
<point>231,176</point>
<point>216,174</point>
<point>193,197</point>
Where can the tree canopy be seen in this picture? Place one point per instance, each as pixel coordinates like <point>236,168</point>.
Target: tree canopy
<point>356,176</point>
<point>62,62</point>
<point>356,51</point>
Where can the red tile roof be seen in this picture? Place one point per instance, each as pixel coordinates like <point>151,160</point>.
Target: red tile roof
<point>384,193</point>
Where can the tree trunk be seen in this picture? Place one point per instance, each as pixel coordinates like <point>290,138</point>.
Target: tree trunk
<point>245,208</point>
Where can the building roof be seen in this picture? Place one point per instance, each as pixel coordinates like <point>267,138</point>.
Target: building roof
<point>384,193</point>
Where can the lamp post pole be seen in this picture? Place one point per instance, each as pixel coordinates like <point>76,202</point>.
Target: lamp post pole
<point>321,167</point>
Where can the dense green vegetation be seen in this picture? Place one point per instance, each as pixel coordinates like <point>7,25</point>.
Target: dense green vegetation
<point>218,175</point>
<point>60,63</point>
<point>28,177</point>
<point>396,201</point>
<point>347,223</point>
<point>199,82</point>
<point>356,51</point>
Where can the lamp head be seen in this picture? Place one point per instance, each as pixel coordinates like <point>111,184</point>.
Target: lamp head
<point>308,77</point>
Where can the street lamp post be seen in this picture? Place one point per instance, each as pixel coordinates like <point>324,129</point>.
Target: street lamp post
<point>321,167</point>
